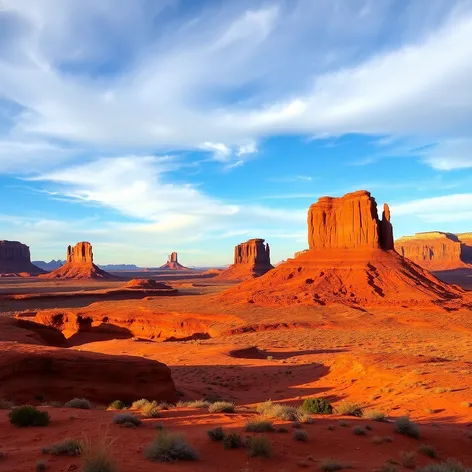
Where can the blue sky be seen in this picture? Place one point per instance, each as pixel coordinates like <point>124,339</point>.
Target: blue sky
<point>148,127</point>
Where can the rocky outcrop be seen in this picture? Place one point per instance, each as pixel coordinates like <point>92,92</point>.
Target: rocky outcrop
<point>173,263</point>
<point>433,250</point>
<point>349,222</point>
<point>351,261</point>
<point>15,259</point>
<point>251,259</point>
<point>79,265</point>
<point>29,372</point>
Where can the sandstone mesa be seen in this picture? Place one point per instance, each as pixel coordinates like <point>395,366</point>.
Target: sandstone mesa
<point>15,260</point>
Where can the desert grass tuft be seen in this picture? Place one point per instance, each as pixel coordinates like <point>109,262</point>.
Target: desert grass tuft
<point>331,465</point>
<point>79,403</point>
<point>259,446</point>
<point>232,441</point>
<point>300,435</point>
<point>68,447</point>
<point>216,434</point>
<point>221,407</point>
<point>260,426</point>
<point>429,451</point>
<point>151,410</point>
<point>269,409</point>
<point>170,447</point>
<point>451,465</point>
<point>349,409</point>
<point>374,415</point>
<point>408,459</point>
<point>96,455</point>
<point>117,405</point>
<point>126,418</point>
<point>403,425</point>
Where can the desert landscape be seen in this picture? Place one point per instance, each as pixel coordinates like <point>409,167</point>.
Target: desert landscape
<point>348,356</point>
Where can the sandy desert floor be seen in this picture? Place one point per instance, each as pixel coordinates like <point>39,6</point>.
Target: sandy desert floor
<point>401,362</point>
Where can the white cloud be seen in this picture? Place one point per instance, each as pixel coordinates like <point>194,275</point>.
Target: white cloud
<point>450,154</point>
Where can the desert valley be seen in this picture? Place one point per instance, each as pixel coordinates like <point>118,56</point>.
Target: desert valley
<point>354,354</point>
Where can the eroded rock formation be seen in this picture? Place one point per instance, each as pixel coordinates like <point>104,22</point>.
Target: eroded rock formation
<point>173,263</point>
<point>15,259</point>
<point>350,261</point>
<point>433,250</point>
<point>466,242</point>
<point>79,265</point>
<point>349,222</point>
<point>251,259</point>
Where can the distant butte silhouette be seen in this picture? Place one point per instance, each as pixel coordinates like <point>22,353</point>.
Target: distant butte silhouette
<point>79,265</point>
<point>351,260</point>
<point>15,260</point>
<point>173,263</point>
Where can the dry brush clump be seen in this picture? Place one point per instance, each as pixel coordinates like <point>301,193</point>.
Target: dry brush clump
<point>232,441</point>
<point>96,454</point>
<point>300,435</point>
<point>451,465</point>
<point>222,407</point>
<point>67,447</point>
<point>193,404</point>
<point>151,410</point>
<point>269,409</point>
<point>331,465</point>
<point>349,409</point>
<point>170,447</point>
<point>374,415</point>
<point>216,434</point>
<point>429,451</point>
<point>259,446</point>
<point>79,403</point>
<point>126,419</point>
<point>117,405</point>
<point>260,426</point>
<point>28,415</point>
<point>403,425</point>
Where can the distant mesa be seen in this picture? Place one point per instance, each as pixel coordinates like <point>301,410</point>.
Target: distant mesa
<point>437,250</point>
<point>351,260</point>
<point>173,263</point>
<point>79,265</point>
<point>15,260</point>
<point>251,259</point>
<point>49,266</point>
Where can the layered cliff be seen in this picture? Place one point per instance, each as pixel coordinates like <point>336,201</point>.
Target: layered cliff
<point>15,259</point>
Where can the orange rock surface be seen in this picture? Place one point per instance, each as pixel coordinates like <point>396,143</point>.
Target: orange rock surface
<point>79,265</point>
<point>173,263</point>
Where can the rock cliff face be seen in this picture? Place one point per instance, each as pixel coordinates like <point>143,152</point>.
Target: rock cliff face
<point>15,259</point>
<point>433,251</point>
<point>351,261</point>
<point>349,222</point>
<point>466,246</point>
<point>173,263</point>
<point>79,265</point>
<point>251,259</point>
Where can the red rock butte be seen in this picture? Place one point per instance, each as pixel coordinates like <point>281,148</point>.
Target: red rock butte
<point>15,259</point>
<point>351,261</point>
<point>79,265</point>
<point>437,250</point>
<point>251,259</point>
<point>173,263</point>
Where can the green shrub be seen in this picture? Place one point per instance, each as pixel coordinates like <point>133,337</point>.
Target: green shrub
<point>300,435</point>
<point>28,415</point>
<point>450,465</point>
<point>170,447</point>
<point>68,447</point>
<point>221,407</point>
<point>261,426</point>
<point>216,434</point>
<point>269,409</point>
<point>428,450</point>
<point>349,409</point>
<point>79,403</point>
<point>404,426</point>
<point>374,415</point>
<point>331,465</point>
<point>232,441</point>
<point>123,418</point>
<point>117,405</point>
<point>259,446</point>
<point>317,406</point>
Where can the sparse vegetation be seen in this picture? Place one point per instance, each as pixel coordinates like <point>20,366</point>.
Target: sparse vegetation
<point>79,403</point>
<point>331,465</point>
<point>300,435</point>
<point>428,450</point>
<point>151,410</point>
<point>221,407</point>
<point>381,440</point>
<point>138,404</point>
<point>126,418</point>
<point>374,415</point>
<point>451,465</point>
<point>269,409</point>
<point>232,441</point>
<point>28,415</point>
<point>216,434</point>
<point>317,406</point>
<point>359,431</point>
<point>68,447</point>
<point>408,459</point>
<point>304,417</point>
<point>194,404</point>
<point>404,426</point>
<point>349,409</point>
<point>260,426</point>
<point>117,405</point>
<point>259,446</point>
<point>170,447</point>
<point>96,455</point>
<point>343,423</point>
